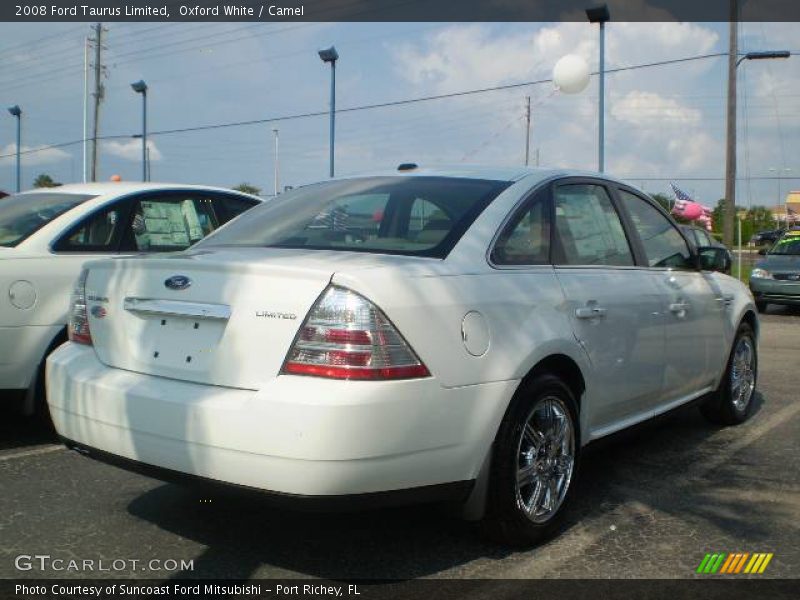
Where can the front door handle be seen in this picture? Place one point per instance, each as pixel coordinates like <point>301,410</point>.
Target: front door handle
<point>590,312</point>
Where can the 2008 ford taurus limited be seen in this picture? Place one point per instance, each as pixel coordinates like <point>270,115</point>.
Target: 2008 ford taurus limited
<point>415,335</point>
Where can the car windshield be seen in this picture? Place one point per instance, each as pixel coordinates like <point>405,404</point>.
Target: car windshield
<point>788,244</point>
<point>415,216</point>
<point>21,215</point>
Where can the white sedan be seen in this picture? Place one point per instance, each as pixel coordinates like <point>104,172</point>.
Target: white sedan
<point>47,234</point>
<point>412,336</point>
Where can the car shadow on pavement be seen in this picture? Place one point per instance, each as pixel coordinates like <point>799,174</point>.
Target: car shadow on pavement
<point>18,431</point>
<point>246,537</point>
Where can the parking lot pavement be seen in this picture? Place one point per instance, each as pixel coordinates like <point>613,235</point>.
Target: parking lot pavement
<point>651,503</point>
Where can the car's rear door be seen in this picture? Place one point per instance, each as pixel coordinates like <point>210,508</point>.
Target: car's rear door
<point>691,301</point>
<point>613,304</point>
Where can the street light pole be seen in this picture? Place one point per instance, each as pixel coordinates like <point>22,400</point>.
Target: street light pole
<point>600,15</point>
<point>16,111</point>
<point>140,87</point>
<point>330,55</point>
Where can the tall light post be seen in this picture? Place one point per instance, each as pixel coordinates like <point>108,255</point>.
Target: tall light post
<point>16,111</point>
<point>140,87</point>
<point>329,55</point>
<point>600,15</point>
<point>734,60</point>
<point>277,171</point>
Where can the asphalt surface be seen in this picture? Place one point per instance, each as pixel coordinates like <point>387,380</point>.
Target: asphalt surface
<point>650,504</point>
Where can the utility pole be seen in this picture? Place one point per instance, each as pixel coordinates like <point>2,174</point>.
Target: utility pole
<point>528,131</point>
<point>277,171</point>
<point>729,207</point>
<point>85,172</point>
<point>98,94</point>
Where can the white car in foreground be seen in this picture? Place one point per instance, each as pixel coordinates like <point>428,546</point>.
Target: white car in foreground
<point>47,234</point>
<point>417,335</point>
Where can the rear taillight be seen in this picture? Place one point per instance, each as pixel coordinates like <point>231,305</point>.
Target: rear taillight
<point>78,330</point>
<point>347,337</point>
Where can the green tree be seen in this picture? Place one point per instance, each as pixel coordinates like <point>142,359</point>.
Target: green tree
<point>45,181</point>
<point>248,189</point>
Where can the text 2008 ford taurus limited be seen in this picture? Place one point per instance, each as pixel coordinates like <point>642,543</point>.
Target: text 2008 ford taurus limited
<point>419,335</point>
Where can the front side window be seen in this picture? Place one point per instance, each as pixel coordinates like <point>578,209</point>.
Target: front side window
<point>21,215</point>
<point>526,239</point>
<point>588,227</point>
<point>415,216</point>
<point>663,245</point>
<point>169,223</point>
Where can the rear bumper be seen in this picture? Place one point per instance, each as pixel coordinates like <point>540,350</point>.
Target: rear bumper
<point>457,491</point>
<point>297,435</point>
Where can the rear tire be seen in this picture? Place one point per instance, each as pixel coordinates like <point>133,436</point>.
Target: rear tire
<point>41,410</point>
<point>534,465</point>
<point>732,402</point>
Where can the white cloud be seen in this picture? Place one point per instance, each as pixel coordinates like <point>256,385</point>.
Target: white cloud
<point>131,149</point>
<point>651,111</point>
<point>39,155</point>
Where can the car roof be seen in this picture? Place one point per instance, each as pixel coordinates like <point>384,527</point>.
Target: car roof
<point>496,173</point>
<point>124,187</point>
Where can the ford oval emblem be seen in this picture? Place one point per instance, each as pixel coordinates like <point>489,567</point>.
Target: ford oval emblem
<point>178,282</point>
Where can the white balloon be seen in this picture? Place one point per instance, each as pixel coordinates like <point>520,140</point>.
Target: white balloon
<point>571,74</point>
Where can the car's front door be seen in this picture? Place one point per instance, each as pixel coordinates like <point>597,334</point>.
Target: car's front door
<point>692,302</point>
<point>613,304</point>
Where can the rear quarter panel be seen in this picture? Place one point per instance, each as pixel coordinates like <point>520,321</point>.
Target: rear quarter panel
<point>524,312</point>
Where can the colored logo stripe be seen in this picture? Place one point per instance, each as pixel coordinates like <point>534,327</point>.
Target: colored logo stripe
<point>735,562</point>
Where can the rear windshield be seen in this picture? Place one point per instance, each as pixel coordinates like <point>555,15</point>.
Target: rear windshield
<point>416,216</point>
<point>21,215</point>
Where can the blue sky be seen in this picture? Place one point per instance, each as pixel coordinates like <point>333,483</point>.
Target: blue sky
<point>664,122</point>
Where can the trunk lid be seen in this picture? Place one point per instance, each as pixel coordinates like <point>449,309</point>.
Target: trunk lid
<point>224,317</point>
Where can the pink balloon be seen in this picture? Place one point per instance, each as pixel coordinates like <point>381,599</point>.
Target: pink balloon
<point>693,211</point>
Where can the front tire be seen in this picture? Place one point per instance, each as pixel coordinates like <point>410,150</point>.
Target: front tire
<point>534,465</point>
<point>732,401</point>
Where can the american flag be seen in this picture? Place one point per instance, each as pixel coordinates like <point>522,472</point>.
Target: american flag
<point>335,219</point>
<point>680,194</point>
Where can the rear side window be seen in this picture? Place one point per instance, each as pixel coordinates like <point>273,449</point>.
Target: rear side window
<point>663,244</point>
<point>415,216</point>
<point>588,227</point>
<point>526,239</point>
<point>21,215</point>
<point>99,232</point>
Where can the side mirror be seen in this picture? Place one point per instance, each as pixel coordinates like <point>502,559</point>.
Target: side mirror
<point>711,258</point>
<point>763,251</point>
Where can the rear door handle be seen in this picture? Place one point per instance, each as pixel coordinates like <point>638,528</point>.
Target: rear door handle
<point>679,307</point>
<point>590,312</point>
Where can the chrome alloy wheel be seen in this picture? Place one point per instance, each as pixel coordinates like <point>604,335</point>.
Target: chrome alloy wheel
<point>743,376</point>
<point>545,459</point>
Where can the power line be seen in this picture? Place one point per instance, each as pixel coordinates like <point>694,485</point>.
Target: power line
<point>387,104</point>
